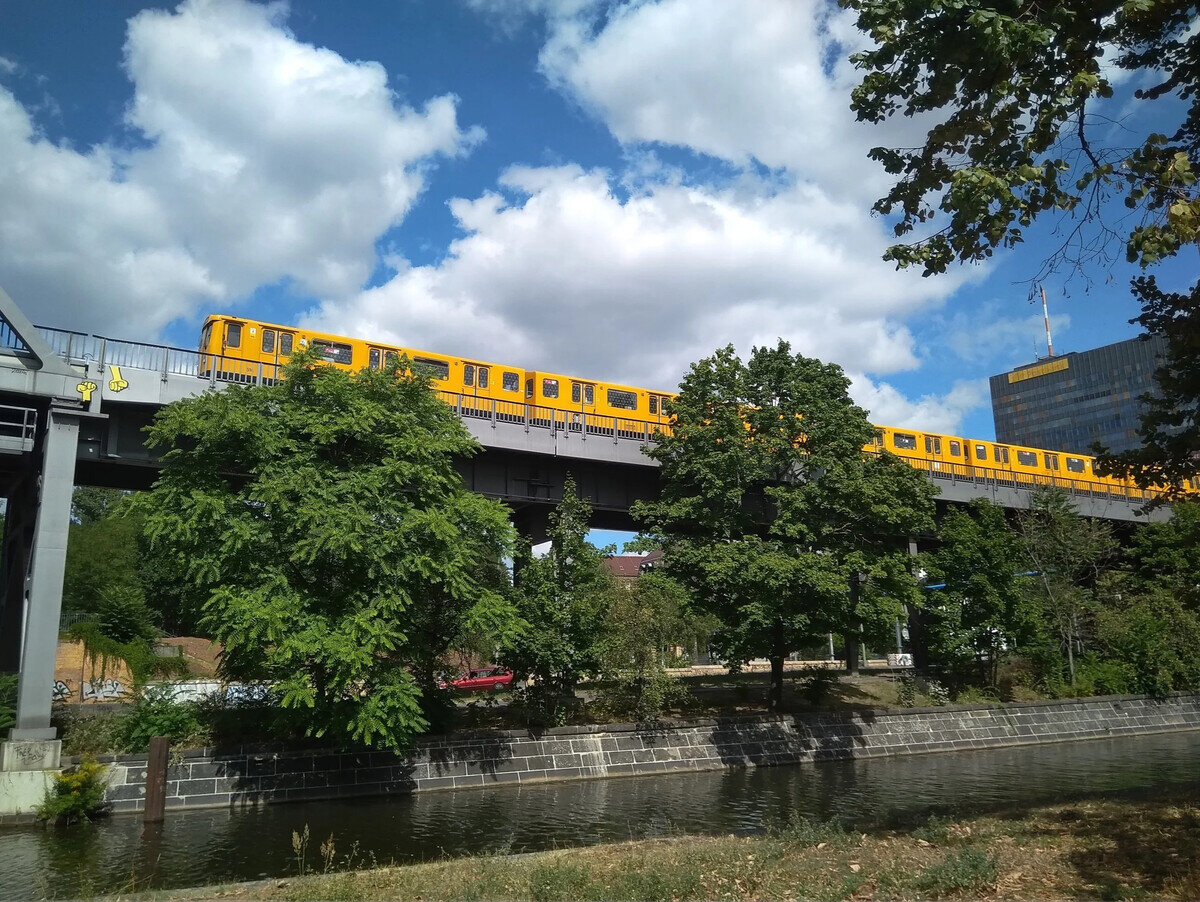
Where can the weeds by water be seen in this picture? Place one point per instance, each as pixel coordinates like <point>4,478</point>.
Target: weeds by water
<point>966,870</point>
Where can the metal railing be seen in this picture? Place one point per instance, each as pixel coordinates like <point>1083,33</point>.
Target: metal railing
<point>18,423</point>
<point>216,369</point>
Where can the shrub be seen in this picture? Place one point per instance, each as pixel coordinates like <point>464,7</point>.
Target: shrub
<point>817,685</point>
<point>75,794</point>
<point>8,702</point>
<point>157,713</point>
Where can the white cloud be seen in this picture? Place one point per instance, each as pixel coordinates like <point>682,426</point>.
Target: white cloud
<point>767,80</point>
<point>985,335</point>
<point>563,275</point>
<point>260,159</point>
<point>933,413</point>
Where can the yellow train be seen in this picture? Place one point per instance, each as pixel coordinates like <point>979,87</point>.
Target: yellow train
<point>244,350</point>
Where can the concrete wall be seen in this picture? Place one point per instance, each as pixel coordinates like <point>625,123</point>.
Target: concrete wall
<point>253,775</point>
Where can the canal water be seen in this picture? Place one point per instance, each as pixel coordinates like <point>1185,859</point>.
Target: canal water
<point>218,845</point>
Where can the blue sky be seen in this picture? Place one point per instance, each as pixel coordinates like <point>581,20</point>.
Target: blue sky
<point>606,188</point>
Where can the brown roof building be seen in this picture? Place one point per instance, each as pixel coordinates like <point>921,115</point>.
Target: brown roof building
<point>628,567</point>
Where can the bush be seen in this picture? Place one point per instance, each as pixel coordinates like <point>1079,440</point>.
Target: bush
<point>817,685</point>
<point>157,713</point>
<point>8,702</point>
<point>76,794</point>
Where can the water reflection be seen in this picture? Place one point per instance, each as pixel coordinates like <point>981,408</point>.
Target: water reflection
<point>215,845</point>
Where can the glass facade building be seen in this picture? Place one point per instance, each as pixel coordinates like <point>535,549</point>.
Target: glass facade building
<point>1068,403</point>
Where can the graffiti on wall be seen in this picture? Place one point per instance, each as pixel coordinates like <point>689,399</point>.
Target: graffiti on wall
<point>61,691</point>
<point>103,690</point>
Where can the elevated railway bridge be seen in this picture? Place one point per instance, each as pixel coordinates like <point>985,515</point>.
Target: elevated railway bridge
<point>73,407</point>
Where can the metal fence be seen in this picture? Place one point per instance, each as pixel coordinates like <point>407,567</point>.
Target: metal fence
<point>216,370</point>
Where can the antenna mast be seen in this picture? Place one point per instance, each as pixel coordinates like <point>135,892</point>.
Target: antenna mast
<point>1046,319</point>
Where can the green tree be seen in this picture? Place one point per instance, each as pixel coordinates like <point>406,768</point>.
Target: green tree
<point>772,515</point>
<point>563,599</point>
<point>982,614</point>
<point>643,618</point>
<point>1009,95</point>
<point>1167,555</point>
<point>91,504</point>
<point>1069,555</point>
<point>321,518</point>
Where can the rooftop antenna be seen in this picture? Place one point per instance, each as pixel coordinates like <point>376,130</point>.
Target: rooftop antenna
<point>1046,319</point>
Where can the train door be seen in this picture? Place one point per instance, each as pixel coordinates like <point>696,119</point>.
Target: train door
<point>276,346</point>
<point>477,378</point>
<point>583,403</point>
<point>935,451</point>
<point>655,406</point>
<point>237,352</point>
<point>380,358</point>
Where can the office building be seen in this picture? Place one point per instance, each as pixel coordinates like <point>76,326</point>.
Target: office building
<point>1070,402</point>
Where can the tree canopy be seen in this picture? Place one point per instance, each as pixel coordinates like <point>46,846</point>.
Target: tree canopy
<point>1011,95</point>
<point>323,521</point>
<point>772,516</point>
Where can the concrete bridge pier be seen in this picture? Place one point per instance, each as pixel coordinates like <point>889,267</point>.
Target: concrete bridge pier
<point>47,556</point>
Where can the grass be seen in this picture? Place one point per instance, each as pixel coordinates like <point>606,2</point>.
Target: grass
<point>1104,849</point>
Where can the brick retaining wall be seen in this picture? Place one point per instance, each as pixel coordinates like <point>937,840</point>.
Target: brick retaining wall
<point>208,777</point>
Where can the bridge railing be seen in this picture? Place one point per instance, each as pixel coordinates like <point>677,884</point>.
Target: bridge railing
<point>214,369</point>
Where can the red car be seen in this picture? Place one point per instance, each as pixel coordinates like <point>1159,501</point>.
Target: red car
<point>488,678</point>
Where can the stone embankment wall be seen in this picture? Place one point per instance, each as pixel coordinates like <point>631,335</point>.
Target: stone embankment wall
<point>256,775</point>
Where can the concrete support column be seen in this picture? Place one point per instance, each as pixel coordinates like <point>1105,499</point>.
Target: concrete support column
<point>49,556</point>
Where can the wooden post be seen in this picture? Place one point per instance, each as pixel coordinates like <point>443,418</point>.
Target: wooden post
<point>156,780</point>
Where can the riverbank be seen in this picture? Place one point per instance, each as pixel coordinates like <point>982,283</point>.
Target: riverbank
<point>1120,848</point>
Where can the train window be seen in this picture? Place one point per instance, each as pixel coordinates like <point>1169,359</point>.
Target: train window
<point>285,344</point>
<point>205,335</point>
<point>589,394</point>
<point>373,359</point>
<point>390,359</point>
<point>439,369</point>
<point>268,341</point>
<point>576,392</point>
<point>1051,461</point>
<point>528,388</point>
<point>904,440</point>
<point>955,448</point>
<point>981,452</point>
<point>468,374</point>
<point>1027,458</point>
<point>334,352</point>
<point>1000,454</point>
<point>652,403</point>
<point>1075,465</point>
<point>626,400</point>
<point>510,381</point>
<point>550,388</point>
<point>483,377</point>
<point>933,445</point>
<point>233,335</point>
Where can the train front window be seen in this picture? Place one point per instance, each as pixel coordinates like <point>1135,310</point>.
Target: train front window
<point>904,441</point>
<point>550,388</point>
<point>510,382</point>
<point>285,344</point>
<point>268,341</point>
<point>205,335</point>
<point>626,400</point>
<point>233,335</point>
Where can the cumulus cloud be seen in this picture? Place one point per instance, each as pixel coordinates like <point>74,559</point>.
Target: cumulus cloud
<point>560,273</point>
<point>257,158</point>
<point>933,413</point>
